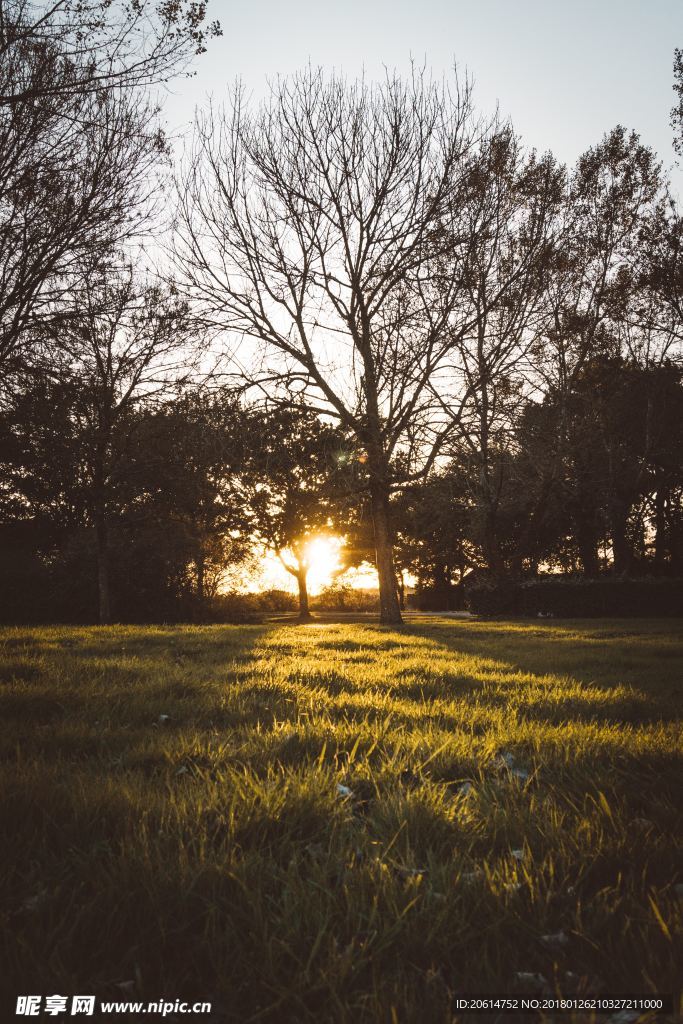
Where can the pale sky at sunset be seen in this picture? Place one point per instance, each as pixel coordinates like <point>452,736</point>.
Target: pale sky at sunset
<point>565,72</point>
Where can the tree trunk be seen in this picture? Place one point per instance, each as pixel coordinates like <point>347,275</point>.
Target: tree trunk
<point>491,547</point>
<point>102,542</point>
<point>300,574</point>
<point>200,576</point>
<point>389,608</point>
<point>587,543</point>
<point>674,533</point>
<point>660,526</point>
<point>588,553</point>
<point>401,588</point>
<point>379,470</point>
<point>101,519</point>
<point>487,498</point>
<point>621,549</point>
<point>304,612</point>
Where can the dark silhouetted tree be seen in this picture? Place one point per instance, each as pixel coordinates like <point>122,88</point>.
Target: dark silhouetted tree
<point>295,476</point>
<point>118,342</point>
<point>311,226</point>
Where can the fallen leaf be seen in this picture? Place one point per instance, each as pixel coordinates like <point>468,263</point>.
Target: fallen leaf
<point>411,872</point>
<point>505,762</point>
<point>532,982</point>
<point>554,942</point>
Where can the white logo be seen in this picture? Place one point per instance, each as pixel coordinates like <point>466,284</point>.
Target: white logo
<point>83,1004</point>
<point>55,1004</point>
<point>28,1006</point>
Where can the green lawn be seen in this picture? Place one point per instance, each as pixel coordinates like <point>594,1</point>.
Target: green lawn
<point>211,854</point>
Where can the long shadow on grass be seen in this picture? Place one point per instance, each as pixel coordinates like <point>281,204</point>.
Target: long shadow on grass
<point>649,660</point>
<point>434,705</point>
<point>89,692</point>
<point>176,884</point>
<point>512,672</point>
<point>528,684</point>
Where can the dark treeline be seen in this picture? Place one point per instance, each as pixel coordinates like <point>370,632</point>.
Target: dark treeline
<point>459,355</point>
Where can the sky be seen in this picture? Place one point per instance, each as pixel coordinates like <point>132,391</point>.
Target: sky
<point>324,565</point>
<point>564,71</point>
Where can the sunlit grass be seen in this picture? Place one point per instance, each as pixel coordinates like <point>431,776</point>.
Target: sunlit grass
<point>210,852</point>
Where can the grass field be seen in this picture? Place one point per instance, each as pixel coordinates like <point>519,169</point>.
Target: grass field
<point>210,853</point>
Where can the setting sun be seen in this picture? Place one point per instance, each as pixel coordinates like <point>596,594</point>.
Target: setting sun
<point>323,553</point>
<point>323,557</point>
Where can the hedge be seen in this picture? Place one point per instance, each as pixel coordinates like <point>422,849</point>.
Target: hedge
<point>571,597</point>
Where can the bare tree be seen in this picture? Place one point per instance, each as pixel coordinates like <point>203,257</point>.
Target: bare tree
<point>677,110</point>
<point>79,140</point>
<point>79,47</point>
<point>294,472</point>
<point>67,197</point>
<point>311,226</point>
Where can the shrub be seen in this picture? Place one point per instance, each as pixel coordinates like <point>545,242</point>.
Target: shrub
<point>437,599</point>
<point>341,597</point>
<point>25,591</point>
<point>234,606</point>
<point>571,597</point>
<point>276,601</point>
